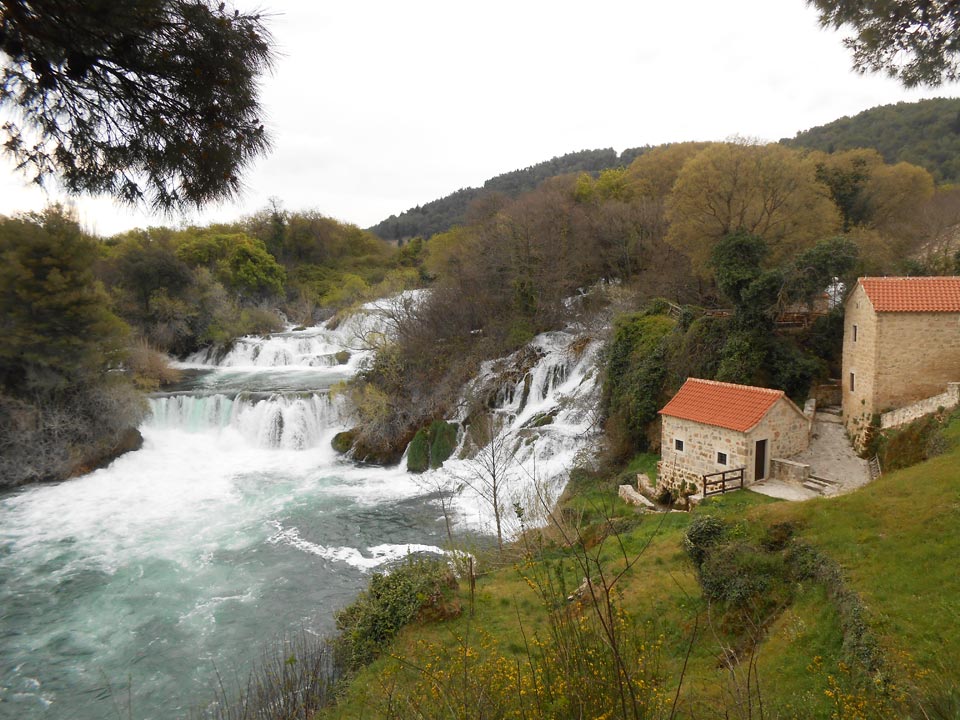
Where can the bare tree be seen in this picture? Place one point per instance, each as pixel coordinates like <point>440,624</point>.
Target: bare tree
<point>490,469</point>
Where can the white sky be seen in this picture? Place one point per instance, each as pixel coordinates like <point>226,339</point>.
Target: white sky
<point>376,106</point>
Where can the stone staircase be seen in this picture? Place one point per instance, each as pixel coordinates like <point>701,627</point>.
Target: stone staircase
<point>820,485</point>
<point>829,414</point>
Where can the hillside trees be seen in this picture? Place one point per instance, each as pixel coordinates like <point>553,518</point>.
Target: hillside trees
<point>924,133</point>
<point>763,190</point>
<point>55,319</point>
<point>151,101</point>
<point>59,409</point>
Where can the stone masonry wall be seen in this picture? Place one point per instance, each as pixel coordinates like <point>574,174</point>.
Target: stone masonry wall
<point>901,416</point>
<point>701,443</point>
<point>917,355</point>
<point>786,430</point>
<point>859,359</point>
<point>788,470</point>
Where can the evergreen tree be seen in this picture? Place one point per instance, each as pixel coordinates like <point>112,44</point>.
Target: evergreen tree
<point>152,101</point>
<point>56,326</point>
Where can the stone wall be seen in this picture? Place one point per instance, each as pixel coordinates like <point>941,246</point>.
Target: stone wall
<point>909,413</point>
<point>917,355</point>
<point>789,471</point>
<point>701,443</point>
<point>784,427</point>
<point>859,360</point>
<point>828,394</point>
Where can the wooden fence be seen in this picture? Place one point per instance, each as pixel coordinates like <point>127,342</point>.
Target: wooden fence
<point>725,480</point>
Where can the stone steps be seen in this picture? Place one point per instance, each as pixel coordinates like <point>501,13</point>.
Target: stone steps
<point>819,485</point>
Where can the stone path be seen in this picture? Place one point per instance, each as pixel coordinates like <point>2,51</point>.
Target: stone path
<point>831,457</point>
<point>835,468</point>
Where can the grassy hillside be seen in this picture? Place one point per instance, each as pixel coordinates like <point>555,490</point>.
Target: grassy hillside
<point>925,133</point>
<point>841,607</point>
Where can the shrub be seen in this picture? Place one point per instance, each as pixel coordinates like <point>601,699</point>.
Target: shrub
<point>635,376</point>
<point>777,536</point>
<point>151,368</point>
<point>736,574</point>
<point>413,588</point>
<point>704,533</point>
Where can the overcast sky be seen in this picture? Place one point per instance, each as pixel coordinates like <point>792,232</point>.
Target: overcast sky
<point>377,106</point>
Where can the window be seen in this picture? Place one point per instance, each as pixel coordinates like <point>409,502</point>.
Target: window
<point>721,458</point>
<point>853,382</point>
<point>854,333</point>
<point>678,444</point>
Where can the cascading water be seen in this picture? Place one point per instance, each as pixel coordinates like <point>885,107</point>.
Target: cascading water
<point>234,524</point>
<point>237,522</point>
<point>544,403</point>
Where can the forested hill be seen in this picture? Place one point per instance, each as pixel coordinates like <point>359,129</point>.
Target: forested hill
<point>440,215</point>
<point>925,133</point>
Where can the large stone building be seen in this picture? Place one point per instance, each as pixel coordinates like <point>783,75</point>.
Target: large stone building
<point>711,426</point>
<point>901,344</point>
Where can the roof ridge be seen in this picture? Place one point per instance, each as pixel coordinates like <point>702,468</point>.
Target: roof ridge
<point>735,385</point>
<point>728,405</point>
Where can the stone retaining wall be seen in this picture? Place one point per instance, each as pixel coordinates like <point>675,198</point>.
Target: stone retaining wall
<point>901,416</point>
<point>788,470</point>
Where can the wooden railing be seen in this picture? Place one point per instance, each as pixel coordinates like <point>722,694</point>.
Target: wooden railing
<point>725,479</point>
<point>873,465</point>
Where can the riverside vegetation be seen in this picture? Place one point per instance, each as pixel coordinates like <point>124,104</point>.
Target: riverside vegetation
<point>769,609</point>
<point>594,248</point>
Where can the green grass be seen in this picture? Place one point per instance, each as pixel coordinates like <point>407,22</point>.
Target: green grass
<point>896,541</point>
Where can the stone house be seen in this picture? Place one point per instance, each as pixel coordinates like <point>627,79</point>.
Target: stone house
<point>712,426</point>
<point>901,344</point>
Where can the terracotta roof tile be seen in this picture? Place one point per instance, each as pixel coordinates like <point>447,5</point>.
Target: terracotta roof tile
<point>736,407</point>
<point>913,294</point>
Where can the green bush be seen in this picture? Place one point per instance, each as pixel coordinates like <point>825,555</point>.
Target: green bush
<point>704,533</point>
<point>737,574</point>
<point>908,445</point>
<point>443,441</point>
<point>793,370</point>
<point>418,453</point>
<point>414,588</point>
<point>636,372</point>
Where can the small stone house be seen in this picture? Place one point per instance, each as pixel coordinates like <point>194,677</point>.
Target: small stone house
<point>901,344</point>
<point>712,426</point>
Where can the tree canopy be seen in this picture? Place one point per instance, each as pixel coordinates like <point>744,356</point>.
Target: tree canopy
<point>738,187</point>
<point>152,101</point>
<point>55,319</point>
<point>924,133</point>
<point>918,43</point>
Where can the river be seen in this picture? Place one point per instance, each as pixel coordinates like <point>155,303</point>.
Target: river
<point>126,592</point>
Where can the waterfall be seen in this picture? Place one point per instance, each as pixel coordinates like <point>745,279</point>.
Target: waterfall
<point>288,421</point>
<point>544,399</point>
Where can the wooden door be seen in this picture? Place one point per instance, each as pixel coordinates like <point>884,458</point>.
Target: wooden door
<point>760,461</point>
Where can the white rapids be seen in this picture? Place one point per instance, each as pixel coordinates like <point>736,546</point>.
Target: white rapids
<point>237,522</point>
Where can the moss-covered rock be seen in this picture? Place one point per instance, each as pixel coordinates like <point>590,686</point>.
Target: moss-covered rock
<point>418,454</point>
<point>343,441</point>
<point>443,441</point>
<point>342,357</point>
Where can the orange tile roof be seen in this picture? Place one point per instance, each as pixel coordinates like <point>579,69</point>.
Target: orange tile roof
<point>736,407</point>
<point>913,294</point>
